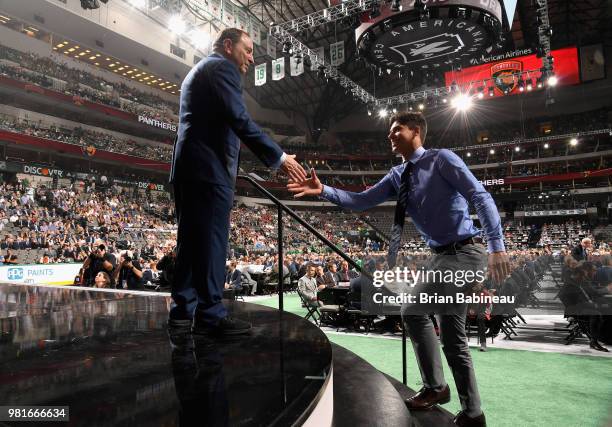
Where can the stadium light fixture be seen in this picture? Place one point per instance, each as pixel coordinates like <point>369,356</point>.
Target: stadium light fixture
<point>421,107</point>
<point>469,154</point>
<point>573,142</point>
<point>462,102</point>
<point>546,145</point>
<point>176,25</point>
<point>517,149</point>
<point>552,80</point>
<point>491,151</point>
<point>382,113</point>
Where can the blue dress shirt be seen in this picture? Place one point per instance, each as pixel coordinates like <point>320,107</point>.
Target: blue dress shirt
<point>441,185</point>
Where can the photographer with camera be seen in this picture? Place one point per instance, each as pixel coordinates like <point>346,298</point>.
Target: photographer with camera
<point>97,261</point>
<point>129,273</point>
<point>166,267</point>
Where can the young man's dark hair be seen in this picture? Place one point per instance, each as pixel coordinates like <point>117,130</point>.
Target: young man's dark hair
<point>411,119</point>
<point>234,34</point>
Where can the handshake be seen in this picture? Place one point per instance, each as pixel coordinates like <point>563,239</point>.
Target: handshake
<point>299,183</point>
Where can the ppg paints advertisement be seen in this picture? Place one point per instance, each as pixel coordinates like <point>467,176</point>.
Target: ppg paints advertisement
<point>42,274</point>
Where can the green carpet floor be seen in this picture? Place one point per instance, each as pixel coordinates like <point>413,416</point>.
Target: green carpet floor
<point>518,388</point>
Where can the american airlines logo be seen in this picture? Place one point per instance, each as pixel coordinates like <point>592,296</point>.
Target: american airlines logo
<point>442,44</point>
<point>429,44</point>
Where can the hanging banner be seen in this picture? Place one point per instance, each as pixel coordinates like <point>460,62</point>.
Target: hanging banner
<point>296,66</point>
<point>278,68</point>
<point>215,9</point>
<point>336,53</point>
<point>242,20</point>
<point>271,47</point>
<point>260,74</point>
<point>500,75</point>
<point>320,53</point>
<point>255,30</point>
<point>228,13</point>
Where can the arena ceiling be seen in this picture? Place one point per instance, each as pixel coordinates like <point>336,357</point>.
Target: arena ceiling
<point>320,102</point>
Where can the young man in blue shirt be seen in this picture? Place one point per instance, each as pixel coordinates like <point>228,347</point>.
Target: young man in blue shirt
<point>434,187</point>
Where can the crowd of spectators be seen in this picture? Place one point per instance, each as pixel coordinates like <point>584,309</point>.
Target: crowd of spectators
<point>87,138</point>
<point>38,70</point>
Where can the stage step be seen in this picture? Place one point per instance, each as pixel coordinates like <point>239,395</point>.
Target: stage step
<point>363,396</point>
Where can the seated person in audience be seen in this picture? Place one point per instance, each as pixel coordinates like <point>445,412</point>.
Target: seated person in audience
<point>362,284</point>
<point>128,275</point>
<point>150,274</point>
<point>10,257</point>
<point>102,280</point>
<point>583,299</point>
<point>583,250</point>
<point>295,265</point>
<point>166,266</point>
<point>45,259</point>
<point>345,275</point>
<point>481,314</point>
<point>330,279</point>
<point>233,278</point>
<point>247,281</point>
<point>603,276</point>
<point>319,276</point>
<point>567,270</point>
<point>307,286</point>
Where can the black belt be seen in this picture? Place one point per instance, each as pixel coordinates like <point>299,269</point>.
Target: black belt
<point>452,247</point>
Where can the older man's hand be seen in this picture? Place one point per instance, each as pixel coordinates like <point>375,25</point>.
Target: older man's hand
<point>293,169</point>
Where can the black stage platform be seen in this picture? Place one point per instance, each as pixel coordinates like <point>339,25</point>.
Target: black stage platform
<point>108,357</point>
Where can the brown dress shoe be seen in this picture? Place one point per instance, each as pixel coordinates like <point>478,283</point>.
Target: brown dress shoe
<point>425,398</point>
<point>464,421</point>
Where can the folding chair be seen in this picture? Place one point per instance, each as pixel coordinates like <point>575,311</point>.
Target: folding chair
<point>312,311</point>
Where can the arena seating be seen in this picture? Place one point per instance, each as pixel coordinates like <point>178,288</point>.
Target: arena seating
<point>32,68</point>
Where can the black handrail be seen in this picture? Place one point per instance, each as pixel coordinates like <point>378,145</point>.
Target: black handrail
<point>282,207</point>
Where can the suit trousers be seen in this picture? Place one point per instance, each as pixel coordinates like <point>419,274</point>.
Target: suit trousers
<point>451,320</point>
<point>203,216</point>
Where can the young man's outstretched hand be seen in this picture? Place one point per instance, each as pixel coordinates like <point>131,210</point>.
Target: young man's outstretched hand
<point>308,187</point>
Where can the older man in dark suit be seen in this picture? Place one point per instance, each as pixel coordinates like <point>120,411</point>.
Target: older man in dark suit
<point>583,250</point>
<point>212,121</point>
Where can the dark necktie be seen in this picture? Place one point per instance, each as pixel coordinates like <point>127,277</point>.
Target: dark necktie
<point>399,217</point>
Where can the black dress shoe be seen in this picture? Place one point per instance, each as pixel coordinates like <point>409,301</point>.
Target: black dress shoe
<point>596,346</point>
<point>425,398</point>
<point>226,326</point>
<point>464,421</point>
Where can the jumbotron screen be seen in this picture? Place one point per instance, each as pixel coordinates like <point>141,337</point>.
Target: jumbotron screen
<point>501,75</point>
